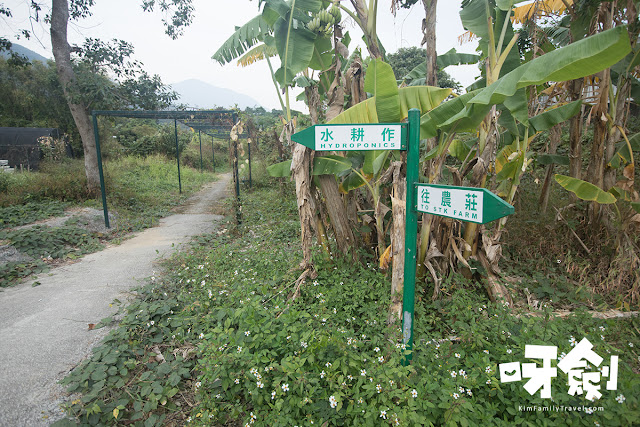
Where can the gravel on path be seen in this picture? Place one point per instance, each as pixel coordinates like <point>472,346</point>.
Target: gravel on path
<point>44,330</point>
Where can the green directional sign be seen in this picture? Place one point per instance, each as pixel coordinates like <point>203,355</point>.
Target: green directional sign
<point>471,204</point>
<point>353,136</point>
<point>477,205</point>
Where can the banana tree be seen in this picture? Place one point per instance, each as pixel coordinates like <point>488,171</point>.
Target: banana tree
<point>505,92</point>
<point>368,169</point>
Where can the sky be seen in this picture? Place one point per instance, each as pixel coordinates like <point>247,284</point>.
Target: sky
<point>189,57</point>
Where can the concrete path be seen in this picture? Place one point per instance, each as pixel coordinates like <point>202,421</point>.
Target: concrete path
<point>44,329</point>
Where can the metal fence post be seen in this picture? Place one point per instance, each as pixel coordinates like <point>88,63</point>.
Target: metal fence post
<point>200,139</point>
<point>96,133</point>
<point>175,126</point>
<point>249,149</point>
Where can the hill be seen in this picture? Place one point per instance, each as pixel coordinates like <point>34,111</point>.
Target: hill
<point>198,94</point>
<point>21,50</point>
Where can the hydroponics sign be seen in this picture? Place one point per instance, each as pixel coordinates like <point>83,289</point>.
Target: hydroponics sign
<point>353,136</point>
<point>471,204</point>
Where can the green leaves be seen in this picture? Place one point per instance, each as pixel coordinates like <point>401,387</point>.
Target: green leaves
<point>280,170</point>
<point>585,190</point>
<point>550,118</point>
<point>241,40</point>
<point>452,57</point>
<point>295,43</point>
<point>395,103</point>
<point>623,153</point>
<point>381,82</point>
<point>330,165</point>
<point>295,48</point>
<point>577,60</point>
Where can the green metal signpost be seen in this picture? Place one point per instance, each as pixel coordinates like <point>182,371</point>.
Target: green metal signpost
<point>470,204</point>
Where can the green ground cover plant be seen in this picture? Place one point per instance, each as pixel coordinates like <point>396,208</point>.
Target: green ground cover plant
<point>52,242</point>
<point>13,271</point>
<point>16,215</point>
<point>219,341</point>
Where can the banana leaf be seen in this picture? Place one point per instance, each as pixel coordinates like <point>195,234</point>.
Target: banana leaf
<point>322,54</point>
<point>430,121</point>
<point>257,53</point>
<point>295,43</point>
<point>280,170</point>
<point>585,190</point>
<point>241,40</point>
<point>579,59</point>
<point>507,4</point>
<point>380,81</point>
<point>548,119</point>
<point>352,182</point>
<point>460,149</point>
<point>452,57</point>
<point>622,154</point>
<point>425,98</point>
<point>330,165</point>
<point>295,48</point>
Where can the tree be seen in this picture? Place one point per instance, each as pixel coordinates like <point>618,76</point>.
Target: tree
<point>140,86</point>
<point>429,39</point>
<point>408,58</point>
<point>32,97</point>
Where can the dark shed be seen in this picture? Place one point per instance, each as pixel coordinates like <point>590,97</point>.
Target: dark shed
<point>21,145</point>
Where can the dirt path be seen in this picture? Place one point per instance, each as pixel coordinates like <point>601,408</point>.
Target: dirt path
<point>44,329</point>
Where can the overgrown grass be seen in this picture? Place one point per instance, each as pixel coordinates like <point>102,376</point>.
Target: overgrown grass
<point>239,351</point>
<point>562,260</point>
<point>139,192</point>
<point>143,190</point>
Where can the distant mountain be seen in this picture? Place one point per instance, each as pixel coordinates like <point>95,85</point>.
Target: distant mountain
<point>21,50</point>
<point>199,94</point>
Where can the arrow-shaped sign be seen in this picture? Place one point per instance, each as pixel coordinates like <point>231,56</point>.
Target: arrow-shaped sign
<point>464,203</point>
<point>353,136</point>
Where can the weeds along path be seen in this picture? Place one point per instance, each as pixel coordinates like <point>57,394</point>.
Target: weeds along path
<point>44,330</point>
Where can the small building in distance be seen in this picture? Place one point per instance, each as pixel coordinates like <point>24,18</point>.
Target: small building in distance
<point>21,146</point>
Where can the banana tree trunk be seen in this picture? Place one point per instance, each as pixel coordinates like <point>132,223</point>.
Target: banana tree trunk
<point>595,171</point>
<point>300,168</point>
<point>429,39</point>
<point>555,136</point>
<point>614,132</point>
<point>429,29</point>
<point>575,134</point>
<point>367,19</point>
<point>398,211</point>
<point>345,239</point>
